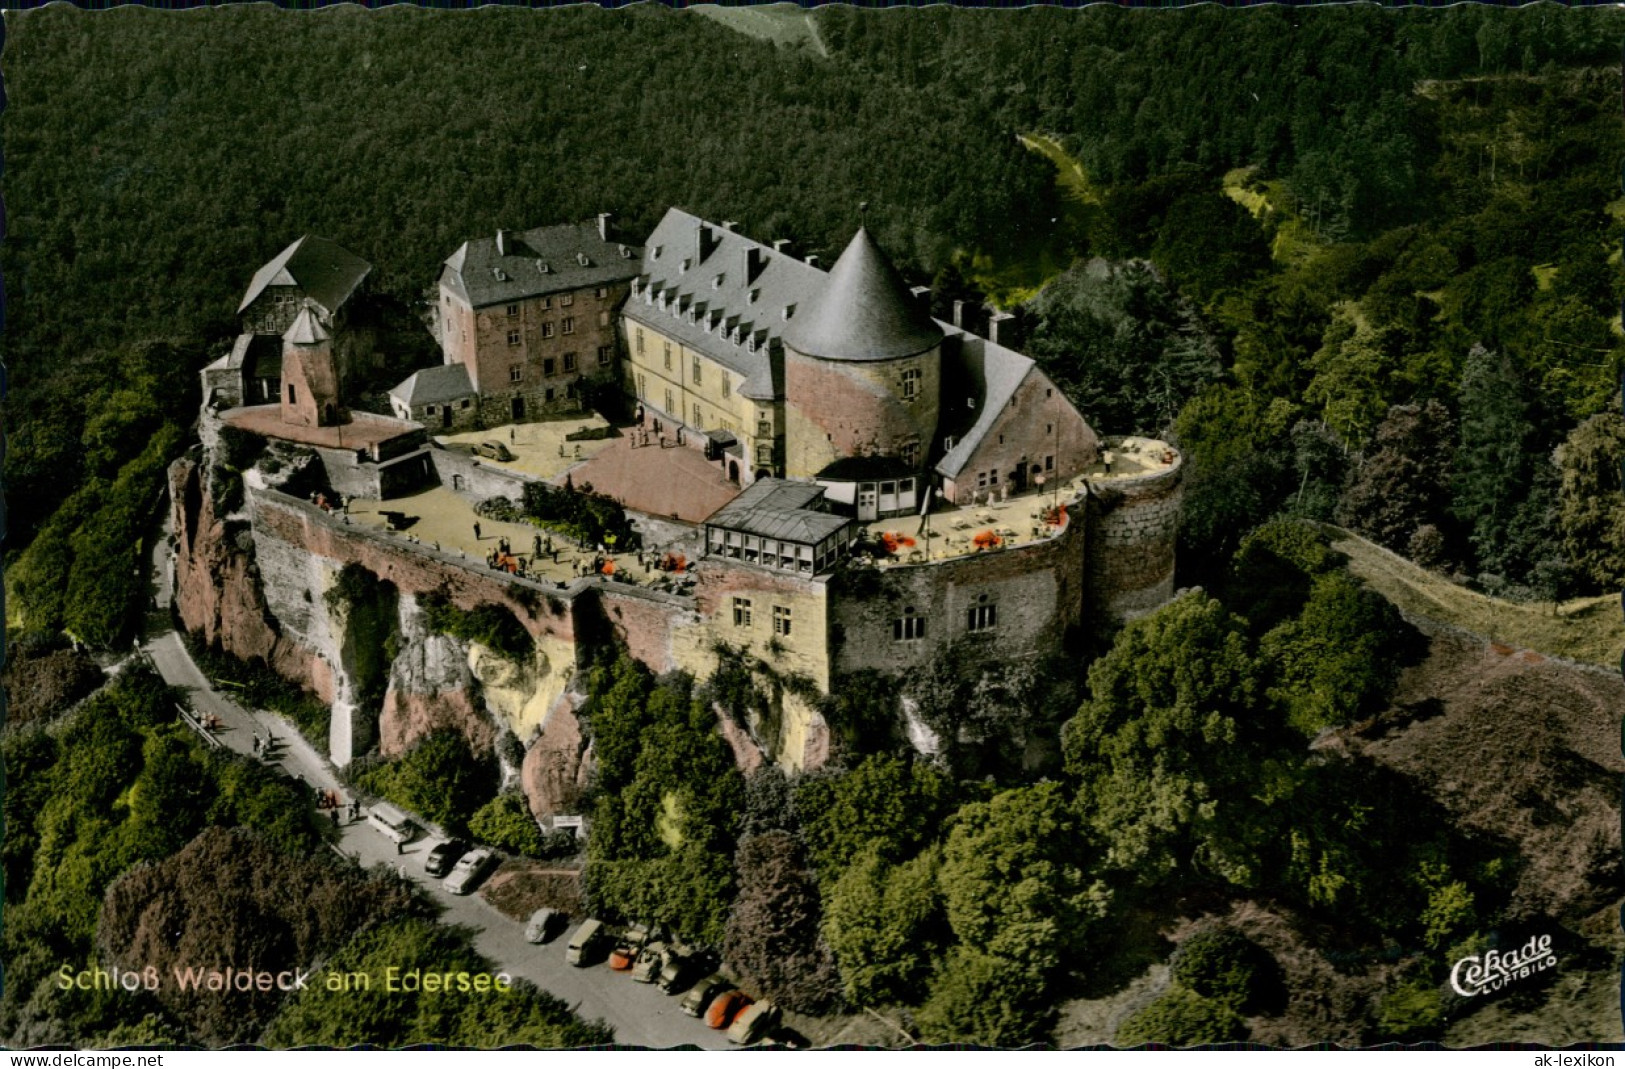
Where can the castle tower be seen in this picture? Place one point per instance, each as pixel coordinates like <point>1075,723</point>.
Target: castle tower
<point>862,369</point>
<point>310,378</point>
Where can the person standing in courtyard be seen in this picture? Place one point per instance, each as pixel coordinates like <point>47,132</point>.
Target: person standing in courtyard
<point>476,530</point>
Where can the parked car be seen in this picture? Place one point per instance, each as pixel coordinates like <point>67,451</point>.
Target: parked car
<point>680,966</point>
<point>700,995</point>
<point>444,856</point>
<point>649,963</point>
<point>493,451</point>
<point>470,870</point>
<point>631,944</point>
<point>543,925</point>
<point>587,943</point>
<point>757,1020</point>
<point>726,1007</point>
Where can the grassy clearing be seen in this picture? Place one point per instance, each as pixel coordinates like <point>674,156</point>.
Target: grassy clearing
<point>1584,629</point>
<point>785,25</point>
<point>1069,173</point>
<point>1295,241</point>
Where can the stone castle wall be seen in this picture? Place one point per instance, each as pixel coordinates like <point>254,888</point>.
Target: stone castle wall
<point>1133,531</point>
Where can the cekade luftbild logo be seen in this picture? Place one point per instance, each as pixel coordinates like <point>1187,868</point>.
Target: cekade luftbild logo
<point>1473,975</point>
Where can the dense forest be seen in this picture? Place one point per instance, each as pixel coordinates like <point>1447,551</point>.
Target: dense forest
<point>1354,262</point>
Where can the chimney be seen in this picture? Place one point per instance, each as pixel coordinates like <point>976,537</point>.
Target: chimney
<point>754,262</point>
<point>812,260</point>
<point>504,242</point>
<point>729,225</point>
<point>993,322</point>
<point>705,241</point>
<point>780,244</point>
<point>603,225</point>
<point>922,296</point>
<point>959,314</point>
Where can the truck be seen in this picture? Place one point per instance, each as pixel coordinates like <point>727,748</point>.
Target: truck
<point>587,942</point>
<point>649,963</point>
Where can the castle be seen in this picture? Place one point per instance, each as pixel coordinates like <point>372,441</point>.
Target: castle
<point>881,489</point>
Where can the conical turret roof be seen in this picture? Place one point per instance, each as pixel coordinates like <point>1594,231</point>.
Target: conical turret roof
<point>864,311</point>
<point>306,329</point>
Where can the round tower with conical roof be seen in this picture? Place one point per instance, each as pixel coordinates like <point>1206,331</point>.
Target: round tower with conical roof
<point>310,376</point>
<point>862,368</point>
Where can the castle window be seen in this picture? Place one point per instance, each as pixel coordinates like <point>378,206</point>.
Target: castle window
<point>640,341</point>
<point>911,383</point>
<point>752,549</point>
<point>983,616</point>
<point>741,612</point>
<point>568,325</point>
<point>981,479</point>
<point>547,330</point>
<point>781,620</point>
<point>1048,392</point>
<point>764,427</point>
<point>1001,439</point>
<point>668,402</point>
<point>567,300</point>
<point>696,371</point>
<point>699,422</point>
<point>290,394</point>
<point>548,365</point>
<point>727,390</point>
<point>465,404</point>
<point>603,319</point>
<point>908,627</point>
<point>516,372</point>
<point>643,388</point>
<point>513,337</point>
<point>1049,463</point>
<point>805,555</point>
<point>513,310</point>
<point>1049,428</point>
<point>668,360</point>
<point>550,393</point>
<point>601,292</point>
<point>911,454</point>
<point>429,411</point>
<point>547,302</point>
<point>764,454</point>
<point>603,355</point>
<point>569,362</point>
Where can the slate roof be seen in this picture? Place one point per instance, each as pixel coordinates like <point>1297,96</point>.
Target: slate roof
<point>864,312</point>
<point>482,274</point>
<point>716,286</point>
<point>434,385</point>
<point>974,367</point>
<point>775,508</point>
<point>326,271</point>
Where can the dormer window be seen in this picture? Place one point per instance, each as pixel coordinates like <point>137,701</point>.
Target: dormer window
<point>501,275</point>
<point>541,266</point>
<point>654,253</point>
<point>750,298</point>
<point>686,264</point>
<point>581,258</point>
<point>626,253</point>
<point>789,310</point>
<point>716,283</point>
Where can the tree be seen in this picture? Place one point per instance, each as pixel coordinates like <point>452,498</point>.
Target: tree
<point>1404,484</point>
<point>886,924</point>
<point>505,822</point>
<point>773,935</point>
<point>1165,742</point>
<point>1493,461</point>
<point>440,778</point>
<point>1221,963</point>
<point>1236,467</point>
<point>1126,349</point>
<point>1017,880</point>
<point>892,805</point>
<point>1339,657</point>
<point>987,1000</point>
<point>1591,506</point>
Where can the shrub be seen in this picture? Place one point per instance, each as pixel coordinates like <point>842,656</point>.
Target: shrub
<point>491,626</point>
<point>1182,1018</point>
<point>505,822</point>
<point>589,517</point>
<point>1222,964</point>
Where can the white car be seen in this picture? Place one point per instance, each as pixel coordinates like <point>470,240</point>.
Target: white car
<point>470,871</point>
